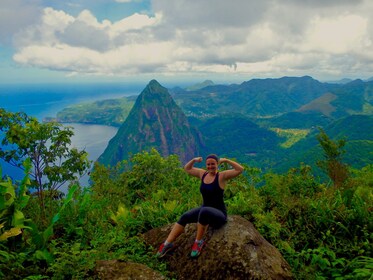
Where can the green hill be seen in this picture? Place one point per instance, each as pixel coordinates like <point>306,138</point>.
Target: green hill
<point>200,85</point>
<point>254,98</point>
<point>108,112</point>
<point>356,129</point>
<point>295,120</point>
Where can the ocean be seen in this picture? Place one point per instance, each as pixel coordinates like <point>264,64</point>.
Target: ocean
<point>45,100</point>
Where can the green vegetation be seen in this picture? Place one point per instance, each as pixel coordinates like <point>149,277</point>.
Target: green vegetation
<point>107,112</point>
<point>324,229</point>
<point>368,109</point>
<point>291,136</point>
<point>47,147</point>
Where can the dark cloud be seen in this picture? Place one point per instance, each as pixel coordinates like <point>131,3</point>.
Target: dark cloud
<point>80,34</point>
<point>322,3</point>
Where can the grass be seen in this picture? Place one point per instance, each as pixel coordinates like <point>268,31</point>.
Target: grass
<point>291,136</point>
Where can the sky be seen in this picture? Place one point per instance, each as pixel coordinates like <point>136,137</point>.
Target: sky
<point>43,41</point>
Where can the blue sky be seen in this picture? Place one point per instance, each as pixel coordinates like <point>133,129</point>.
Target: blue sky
<point>180,40</point>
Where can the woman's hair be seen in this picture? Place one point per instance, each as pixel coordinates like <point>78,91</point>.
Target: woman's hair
<point>215,157</point>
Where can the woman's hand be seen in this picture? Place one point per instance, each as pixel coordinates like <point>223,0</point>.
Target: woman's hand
<point>198,159</point>
<point>230,173</point>
<point>222,160</point>
<point>190,169</point>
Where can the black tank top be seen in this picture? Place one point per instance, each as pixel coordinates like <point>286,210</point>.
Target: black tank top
<point>212,194</point>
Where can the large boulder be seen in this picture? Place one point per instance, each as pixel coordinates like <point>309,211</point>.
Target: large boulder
<point>235,251</point>
<point>117,270</point>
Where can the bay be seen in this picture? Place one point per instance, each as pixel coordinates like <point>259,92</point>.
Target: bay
<point>45,100</point>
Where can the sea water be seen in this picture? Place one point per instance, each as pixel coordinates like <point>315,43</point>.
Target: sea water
<point>46,100</point>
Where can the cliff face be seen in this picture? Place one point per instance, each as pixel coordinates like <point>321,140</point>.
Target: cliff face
<point>155,121</point>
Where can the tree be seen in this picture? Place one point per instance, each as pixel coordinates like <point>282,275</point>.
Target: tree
<point>47,145</point>
<point>332,164</point>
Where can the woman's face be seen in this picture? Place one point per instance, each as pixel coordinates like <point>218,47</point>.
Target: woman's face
<point>211,165</point>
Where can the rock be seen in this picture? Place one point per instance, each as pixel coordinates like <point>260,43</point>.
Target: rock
<point>235,251</point>
<point>117,270</point>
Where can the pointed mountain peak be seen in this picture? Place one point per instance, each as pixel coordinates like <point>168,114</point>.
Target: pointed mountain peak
<point>155,121</point>
<point>154,91</point>
<point>153,83</point>
<point>155,87</point>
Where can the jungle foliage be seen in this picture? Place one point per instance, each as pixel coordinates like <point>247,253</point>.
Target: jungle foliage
<point>323,228</point>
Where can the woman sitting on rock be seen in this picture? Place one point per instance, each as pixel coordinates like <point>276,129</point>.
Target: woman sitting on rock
<point>213,211</point>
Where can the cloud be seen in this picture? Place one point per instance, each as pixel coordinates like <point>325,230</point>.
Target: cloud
<point>127,1</point>
<point>15,15</point>
<point>342,34</point>
<point>243,37</point>
<point>86,32</point>
<point>210,14</point>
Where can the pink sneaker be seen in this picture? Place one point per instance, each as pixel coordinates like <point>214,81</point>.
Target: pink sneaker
<point>197,248</point>
<point>163,249</point>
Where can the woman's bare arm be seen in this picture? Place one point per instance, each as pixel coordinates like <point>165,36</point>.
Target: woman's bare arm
<point>232,173</point>
<point>190,169</point>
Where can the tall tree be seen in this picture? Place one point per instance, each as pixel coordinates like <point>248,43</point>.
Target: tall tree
<point>332,164</point>
<point>48,146</point>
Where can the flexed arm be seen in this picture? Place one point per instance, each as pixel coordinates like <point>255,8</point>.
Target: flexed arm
<point>190,169</point>
<point>229,174</point>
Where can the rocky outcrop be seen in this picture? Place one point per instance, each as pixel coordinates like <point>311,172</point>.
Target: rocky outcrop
<point>117,270</point>
<point>235,251</point>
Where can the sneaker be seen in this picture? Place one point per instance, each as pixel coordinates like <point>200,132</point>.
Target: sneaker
<point>197,248</point>
<point>163,249</point>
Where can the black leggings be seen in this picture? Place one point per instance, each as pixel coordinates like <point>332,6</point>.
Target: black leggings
<point>205,216</point>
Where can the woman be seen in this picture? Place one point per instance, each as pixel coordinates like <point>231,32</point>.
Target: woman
<point>213,211</point>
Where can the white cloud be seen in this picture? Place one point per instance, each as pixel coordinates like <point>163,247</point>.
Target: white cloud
<point>51,23</point>
<point>133,22</point>
<point>63,57</point>
<point>336,35</point>
<point>241,37</point>
<point>15,15</point>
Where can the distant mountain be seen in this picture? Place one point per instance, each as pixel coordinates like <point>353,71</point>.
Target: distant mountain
<point>236,136</point>
<point>254,98</point>
<point>155,121</point>
<point>107,112</point>
<point>355,97</point>
<point>268,99</point>
<point>200,85</point>
<point>320,104</point>
<point>341,81</point>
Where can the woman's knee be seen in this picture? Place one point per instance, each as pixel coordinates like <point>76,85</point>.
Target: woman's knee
<point>189,217</point>
<point>183,220</point>
<point>211,216</point>
<point>204,216</point>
